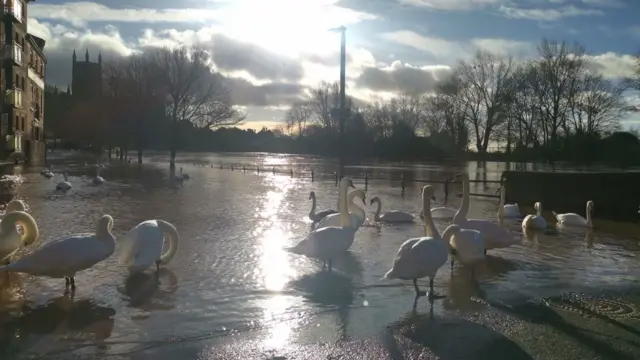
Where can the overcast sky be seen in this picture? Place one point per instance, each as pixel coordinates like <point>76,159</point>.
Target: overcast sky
<point>273,50</point>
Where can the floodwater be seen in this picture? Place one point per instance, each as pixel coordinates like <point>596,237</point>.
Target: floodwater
<point>232,277</point>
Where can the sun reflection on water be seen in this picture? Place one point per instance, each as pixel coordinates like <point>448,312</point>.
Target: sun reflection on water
<point>275,268</point>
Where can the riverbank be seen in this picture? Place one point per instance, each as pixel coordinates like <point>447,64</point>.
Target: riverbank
<point>523,331</point>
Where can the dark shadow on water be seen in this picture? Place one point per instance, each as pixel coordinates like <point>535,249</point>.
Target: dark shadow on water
<point>61,320</point>
<point>452,339</point>
<point>541,314</point>
<point>151,290</point>
<point>330,290</point>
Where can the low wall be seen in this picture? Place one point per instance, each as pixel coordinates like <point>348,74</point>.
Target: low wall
<point>616,195</point>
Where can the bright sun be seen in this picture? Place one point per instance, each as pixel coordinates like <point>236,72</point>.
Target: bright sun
<point>288,27</point>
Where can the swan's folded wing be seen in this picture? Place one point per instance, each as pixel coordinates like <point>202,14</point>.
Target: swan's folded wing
<point>78,248</point>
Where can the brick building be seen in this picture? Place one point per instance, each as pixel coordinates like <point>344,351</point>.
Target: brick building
<point>22,80</point>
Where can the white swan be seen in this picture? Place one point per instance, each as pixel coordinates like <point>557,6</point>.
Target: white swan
<point>66,256</point>
<point>317,216</point>
<point>47,172</point>
<point>143,245</point>
<point>357,215</point>
<point>98,180</point>
<point>467,246</point>
<point>507,210</point>
<point>423,256</point>
<point>15,205</point>
<point>495,236</point>
<point>330,241</point>
<point>441,213</point>
<point>65,185</point>
<point>392,216</point>
<point>572,219</point>
<point>536,221</point>
<point>10,239</point>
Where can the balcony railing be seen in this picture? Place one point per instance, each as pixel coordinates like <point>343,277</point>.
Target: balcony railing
<point>14,51</point>
<point>14,97</point>
<point>14,8</point>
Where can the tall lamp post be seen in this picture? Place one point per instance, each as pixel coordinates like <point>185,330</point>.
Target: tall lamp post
<point>343,70</point>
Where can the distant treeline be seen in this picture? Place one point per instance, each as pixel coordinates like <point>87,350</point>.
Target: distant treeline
<point>553,108</point>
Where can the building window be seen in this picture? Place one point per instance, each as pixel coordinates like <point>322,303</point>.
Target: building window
<point>23,124</point>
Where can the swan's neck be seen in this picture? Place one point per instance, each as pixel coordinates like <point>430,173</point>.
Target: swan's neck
<point>342,206</point>
<point>378,209</point>
<point>588,213</point>
<point>430,226</point>
<point>539,213</point>
<point>503,197</point>
<point>106,237</point>
<point>464,207</point>
<point>65,177</point>
<point>355,209</point>
<point>313,206</point>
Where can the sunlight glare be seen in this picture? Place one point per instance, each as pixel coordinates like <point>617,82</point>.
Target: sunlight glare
<point>279,330</point>
<point>288,27</point>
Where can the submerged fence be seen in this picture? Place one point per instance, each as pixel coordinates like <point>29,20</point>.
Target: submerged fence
<point>313,175</point>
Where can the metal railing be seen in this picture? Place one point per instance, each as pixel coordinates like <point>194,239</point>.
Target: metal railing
<point>312,174</point>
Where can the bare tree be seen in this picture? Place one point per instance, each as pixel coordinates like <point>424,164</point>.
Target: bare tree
<point>484,93</point>
<point>596,107</point>
<point>194,94</point>
<point>298,116</point>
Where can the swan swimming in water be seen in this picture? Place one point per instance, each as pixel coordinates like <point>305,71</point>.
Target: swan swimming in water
<point>573,219</point>
<point>65,185</point>
<point>317,216</point>
<point>143,245</point>
<point>65,257</point>
<point>495,236</point>
<point>10,239</point>
<point>327,242</point>
<point>507,210</point>
<point>357,216</point>
<point>47,172</point>
<point>423,256</point>
<point>392,216</point>
<point>98,180</point>
<point>536,221</point>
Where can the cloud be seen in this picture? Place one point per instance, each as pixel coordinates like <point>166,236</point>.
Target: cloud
<point>452,4</point>
<point>81,13</point>
<point>400,77</point>
<point>549,14</point>
<point>613,65</point>
<point>447,50</point>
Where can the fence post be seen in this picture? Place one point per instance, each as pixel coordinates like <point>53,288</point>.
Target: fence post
<point>366,181</point>
<point>335,174</point>
<point>291,172</point>
<point>312,175</point>
<point>446,188</point>
<point>244,169</point>
<point>274,170</point>
<point>231,167</point>
<point>402,183</point>
<point>258,169</point>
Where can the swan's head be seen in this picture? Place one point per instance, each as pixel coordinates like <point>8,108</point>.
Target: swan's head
<point>15,205</point>
<point>374,199</point>
<point>590,205</point>
<point>537,206</point>
<point>105,223</point>
<point>499,189</point>
<point>427,194</point>
<point>346,183</point>
<point>461,176</point>
<point>312,195</point>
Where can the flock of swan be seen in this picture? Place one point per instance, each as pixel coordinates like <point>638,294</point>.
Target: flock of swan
<point>465,240</point>
<point>142,247</point>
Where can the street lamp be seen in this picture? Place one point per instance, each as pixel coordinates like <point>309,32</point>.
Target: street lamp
<point>343,70</point>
